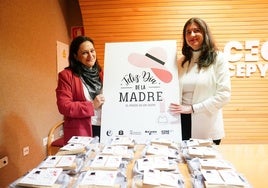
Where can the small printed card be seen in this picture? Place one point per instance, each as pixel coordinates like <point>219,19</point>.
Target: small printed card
<point>152,177</point>
<point>212,177</point>
<point>73,147</point>
<point>84,140</point>
<point>202,151</point>
<point>153,162</point>
<point>226,177</point>
<point>99,178</point>
<point>162,141</point>
<point>157,150</point>
<point>41,177</point>
<point>106,162</point>
<point>122,140</point>
<point>145,163</point>
<point>230,177</point>
<point>50,162</point>
<point>163,178</point>
<point>199,142</point>
<point>215,164</point>
<point>64,161</point>
<point>166,142</point>
<point>115,150</point>
<point>162,150</point>
<point>170,179</point>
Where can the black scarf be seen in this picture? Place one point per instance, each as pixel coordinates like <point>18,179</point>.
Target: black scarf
<point>91,79</point>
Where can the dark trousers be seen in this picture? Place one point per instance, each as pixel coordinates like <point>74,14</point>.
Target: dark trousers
<point>186,128</point>
<point>96,130</point>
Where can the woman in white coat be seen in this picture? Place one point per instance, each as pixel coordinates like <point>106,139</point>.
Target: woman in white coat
<point>205,85</point>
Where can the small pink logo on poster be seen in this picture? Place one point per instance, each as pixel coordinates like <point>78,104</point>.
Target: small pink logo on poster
<point>154,59</point>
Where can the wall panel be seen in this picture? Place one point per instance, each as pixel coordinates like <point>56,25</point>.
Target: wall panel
<point>246,116</point>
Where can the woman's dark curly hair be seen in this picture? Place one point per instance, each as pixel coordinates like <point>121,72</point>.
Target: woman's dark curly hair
<point>75,65</point>
<point>208,48</point>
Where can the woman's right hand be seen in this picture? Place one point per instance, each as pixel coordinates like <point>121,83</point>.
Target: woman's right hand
<point>176,109</point>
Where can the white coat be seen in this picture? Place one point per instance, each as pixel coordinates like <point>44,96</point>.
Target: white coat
<point>211,93</point>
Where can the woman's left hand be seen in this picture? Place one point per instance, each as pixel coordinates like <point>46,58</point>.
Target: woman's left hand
<point>98,101</point>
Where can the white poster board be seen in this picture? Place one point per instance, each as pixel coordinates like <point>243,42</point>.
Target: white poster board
<point>140,81</point>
